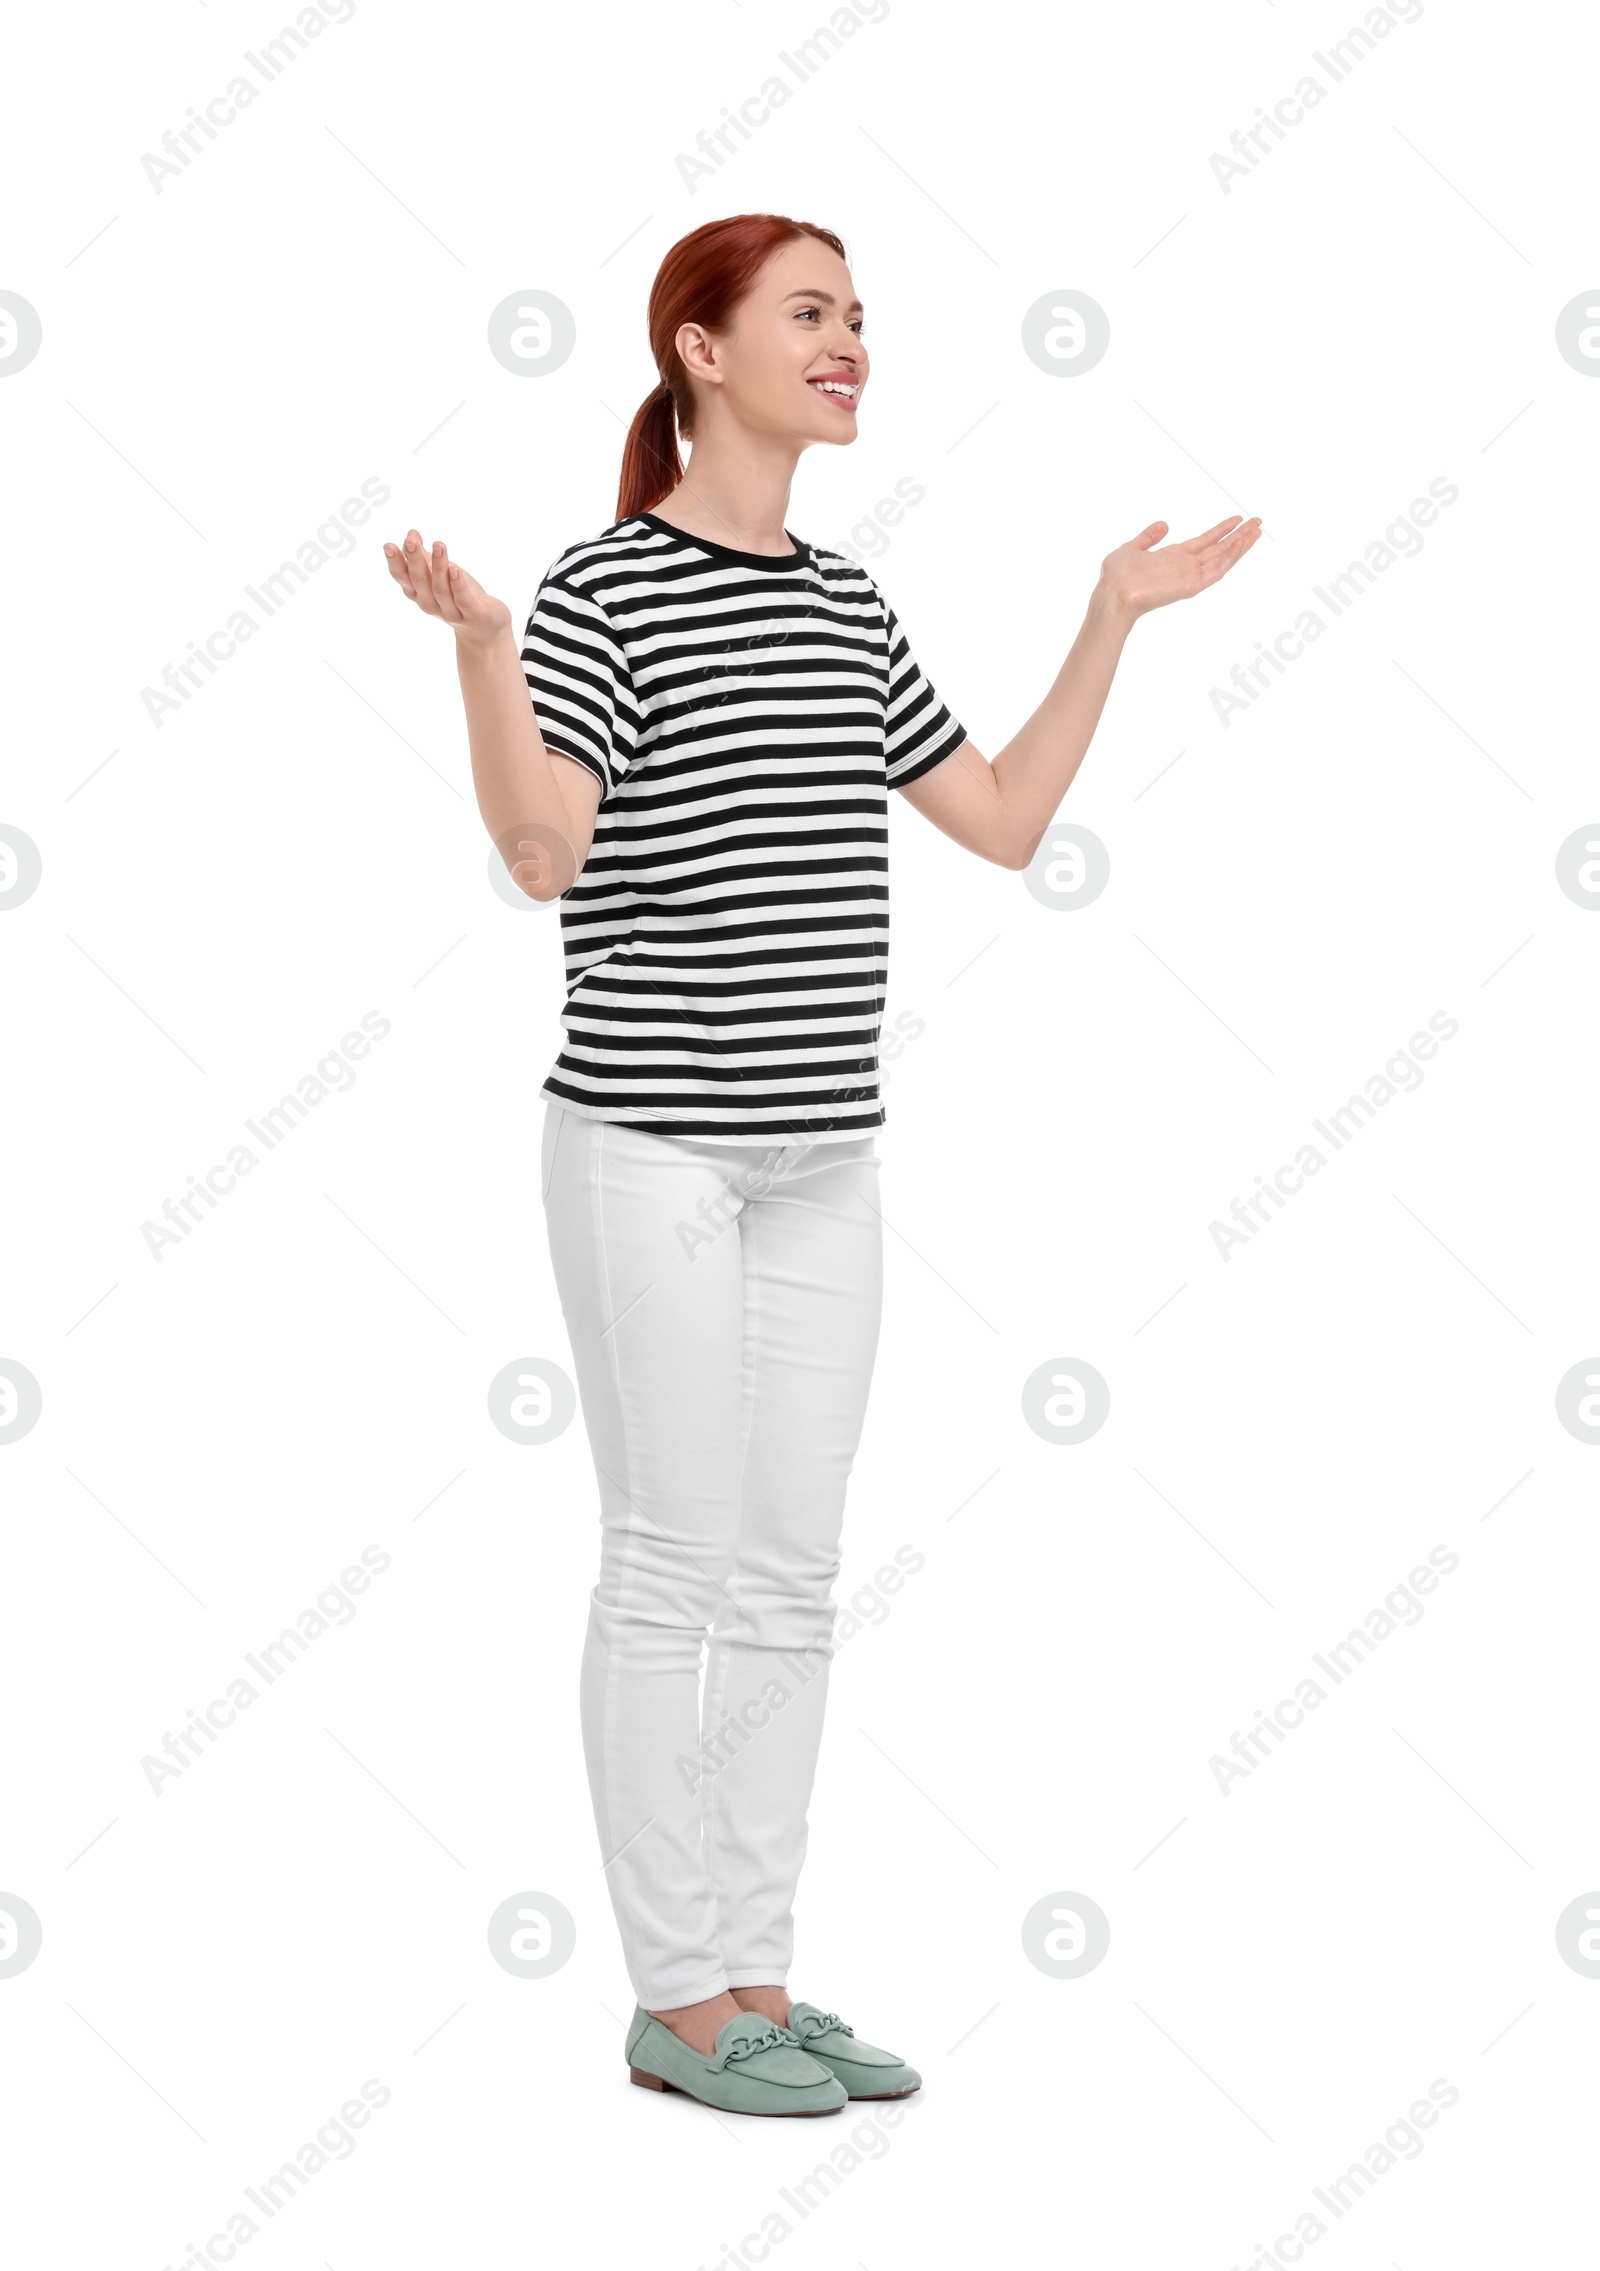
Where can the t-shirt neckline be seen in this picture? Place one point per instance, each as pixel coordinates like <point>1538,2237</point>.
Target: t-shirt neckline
<point>795,559</point>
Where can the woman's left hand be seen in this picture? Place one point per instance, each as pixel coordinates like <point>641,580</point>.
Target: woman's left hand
<point>1143,573</point>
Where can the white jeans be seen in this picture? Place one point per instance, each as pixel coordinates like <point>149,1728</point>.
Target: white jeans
<point>723,1304</point>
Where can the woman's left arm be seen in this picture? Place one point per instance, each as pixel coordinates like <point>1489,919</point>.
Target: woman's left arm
<point>1001,809</point>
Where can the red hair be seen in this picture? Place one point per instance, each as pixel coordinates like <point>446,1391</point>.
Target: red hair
<point>702,280</point>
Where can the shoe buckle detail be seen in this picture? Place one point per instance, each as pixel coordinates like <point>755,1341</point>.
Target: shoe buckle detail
<point>815,2023</point>
<point>770,2037</point>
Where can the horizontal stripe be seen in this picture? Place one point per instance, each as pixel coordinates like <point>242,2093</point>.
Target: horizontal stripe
<point>727,942</point>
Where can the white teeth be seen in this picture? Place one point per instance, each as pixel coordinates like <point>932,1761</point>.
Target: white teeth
<point>833,386</point>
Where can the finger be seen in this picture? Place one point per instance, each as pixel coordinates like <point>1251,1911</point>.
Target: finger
<point>438,570</point>
<point>1148,536</point>
<point>1237,534</point>
<point>1239,540</point>
<point>1232,549</point>
<point>1198,543</point>
<point>419,567</point>
<point>398,569</point>
<point>443,584</point>
<point>412,556</point>
<point>465,590</point>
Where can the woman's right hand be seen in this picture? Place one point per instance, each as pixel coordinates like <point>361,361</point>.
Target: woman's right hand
<point>440,587</point>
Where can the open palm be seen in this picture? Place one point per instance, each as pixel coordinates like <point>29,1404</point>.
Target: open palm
<point>1144,573</point>
<point>442,587</point>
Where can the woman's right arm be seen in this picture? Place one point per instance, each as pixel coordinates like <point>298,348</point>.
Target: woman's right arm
<point>539,809</point>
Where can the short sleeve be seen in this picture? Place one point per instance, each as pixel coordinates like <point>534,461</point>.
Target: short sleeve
<point>921,732</point>
<point>577,673</point>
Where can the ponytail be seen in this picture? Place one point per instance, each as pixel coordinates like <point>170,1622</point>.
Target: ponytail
<point>702,280</point>
<point>651,466</point>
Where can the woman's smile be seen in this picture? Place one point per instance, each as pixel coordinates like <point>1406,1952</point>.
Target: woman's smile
<point>838,387</point>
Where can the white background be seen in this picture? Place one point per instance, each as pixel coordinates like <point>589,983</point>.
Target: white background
<point>1291,1429</point>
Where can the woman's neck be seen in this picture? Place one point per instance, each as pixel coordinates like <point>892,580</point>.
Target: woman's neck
<point>743,513</point>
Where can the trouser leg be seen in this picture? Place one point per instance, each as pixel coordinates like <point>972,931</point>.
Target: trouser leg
<point>658,1347</point>
<point>811,1246</point>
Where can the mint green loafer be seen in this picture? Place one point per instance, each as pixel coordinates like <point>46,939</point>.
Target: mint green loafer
<point>866,2072</point>
<point>757,2067</point>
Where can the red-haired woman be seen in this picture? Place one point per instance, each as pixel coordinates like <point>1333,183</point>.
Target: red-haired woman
<point>718,712</point>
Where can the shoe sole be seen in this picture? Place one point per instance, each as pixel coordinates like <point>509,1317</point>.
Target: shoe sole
<point>881,2097</point>
<point>646,2081</point>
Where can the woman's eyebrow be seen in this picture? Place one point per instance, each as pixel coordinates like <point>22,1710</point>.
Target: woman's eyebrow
<point>855,306</point>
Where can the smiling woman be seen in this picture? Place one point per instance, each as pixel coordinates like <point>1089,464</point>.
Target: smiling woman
<point>719,711</point>
<point>752,304</point>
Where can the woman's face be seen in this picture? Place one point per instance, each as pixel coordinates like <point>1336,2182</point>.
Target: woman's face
<point>799,324</point>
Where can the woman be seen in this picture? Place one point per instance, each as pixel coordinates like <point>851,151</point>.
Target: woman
<point>718,712</point>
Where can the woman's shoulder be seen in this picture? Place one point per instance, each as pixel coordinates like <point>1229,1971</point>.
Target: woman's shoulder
<point>626,541</point>
<point>851,584</point>
<point>844,567</point>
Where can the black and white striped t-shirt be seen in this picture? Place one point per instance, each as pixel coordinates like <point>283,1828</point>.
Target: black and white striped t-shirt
<point>727,941</point>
